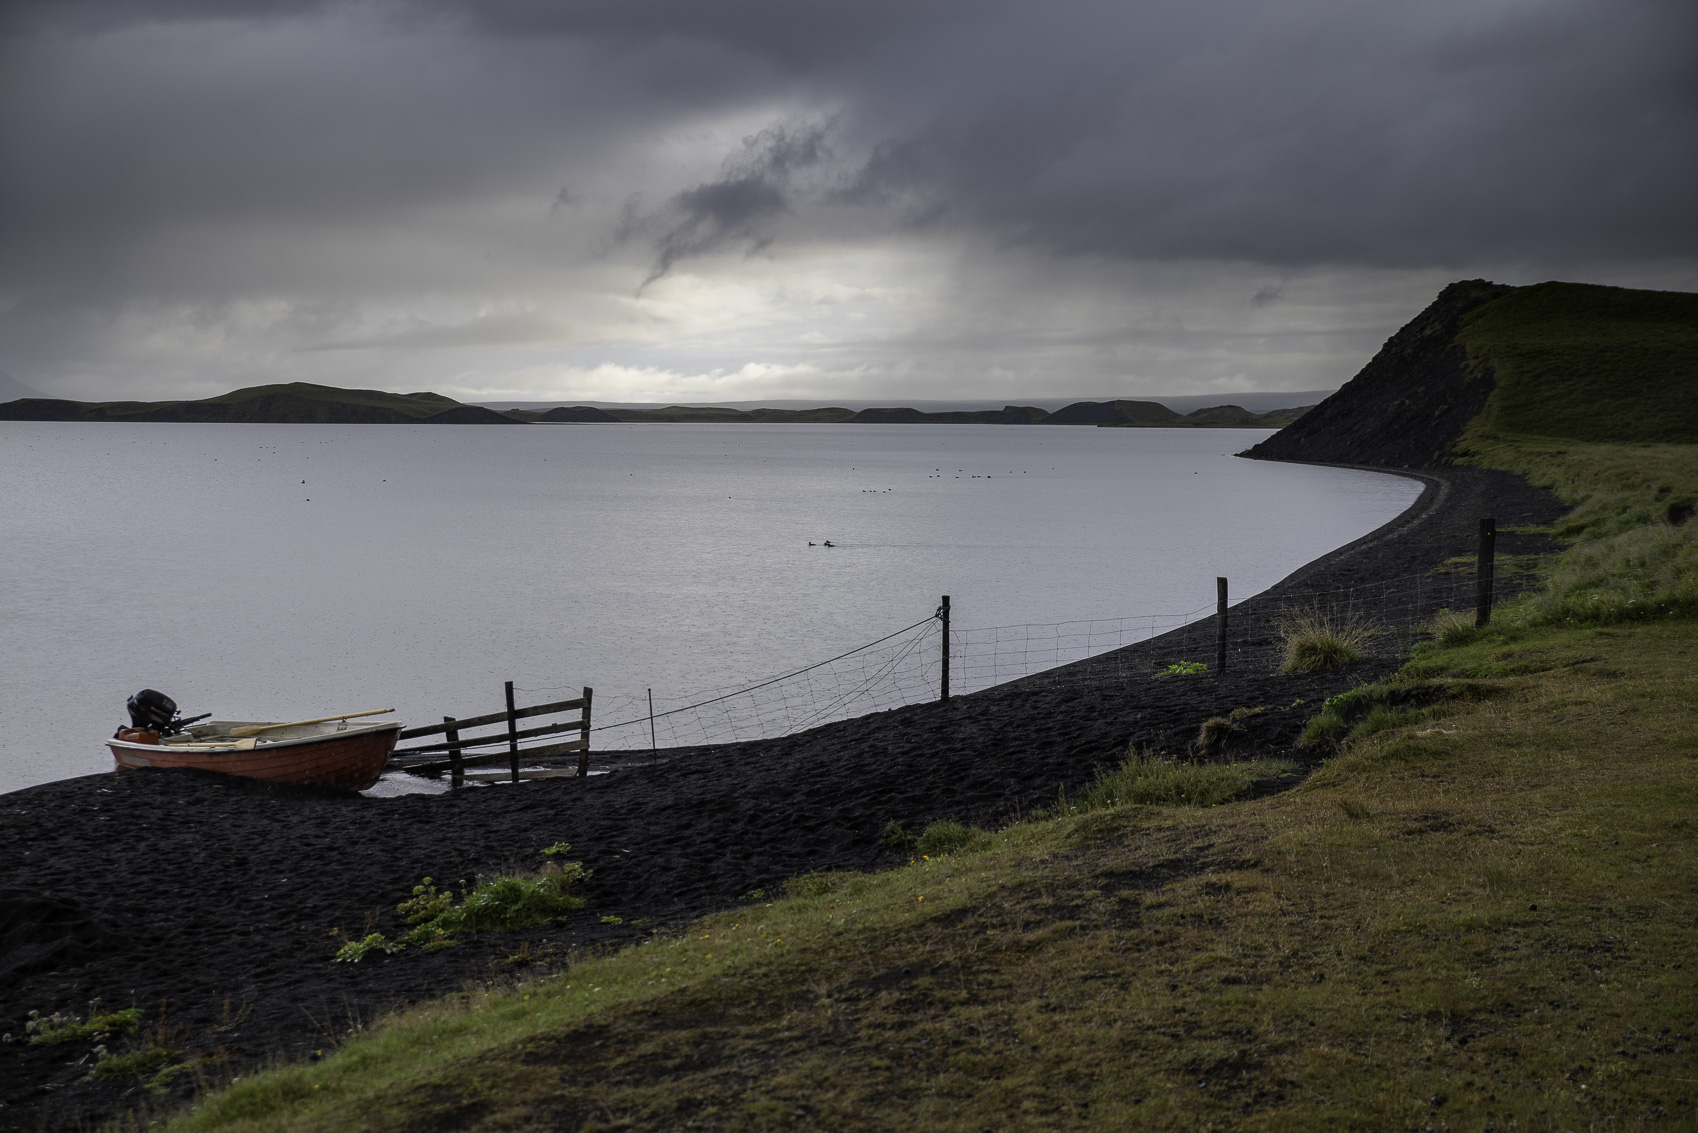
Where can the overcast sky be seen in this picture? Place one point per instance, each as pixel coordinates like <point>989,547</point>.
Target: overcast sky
<point>639,200</point>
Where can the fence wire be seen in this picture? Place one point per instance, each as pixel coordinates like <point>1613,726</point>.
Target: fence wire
<point>905,667</point>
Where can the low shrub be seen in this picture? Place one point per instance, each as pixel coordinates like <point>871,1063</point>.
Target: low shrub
<point>897,837</point>
<point>1316,639</point>
<point>948,838</point>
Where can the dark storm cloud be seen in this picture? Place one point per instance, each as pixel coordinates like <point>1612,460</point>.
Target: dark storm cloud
<point>1287,134</point>
<point>204,152</point>
<point>740,207</point>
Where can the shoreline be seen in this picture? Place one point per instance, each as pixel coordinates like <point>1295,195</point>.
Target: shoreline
<point>218,897</point>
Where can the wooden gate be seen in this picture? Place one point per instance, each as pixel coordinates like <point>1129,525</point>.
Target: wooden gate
<point>456,750</point>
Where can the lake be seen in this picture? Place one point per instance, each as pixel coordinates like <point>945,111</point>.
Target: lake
<point>291,571</point>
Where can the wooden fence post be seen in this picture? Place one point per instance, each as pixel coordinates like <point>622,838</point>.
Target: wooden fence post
<point>943,684</point>
<point>654,745</point>
<point>1484,568</point>
<point>584,752</point>
<point>1220,627</point>
<point>513,731</point>
<point>456,766</point>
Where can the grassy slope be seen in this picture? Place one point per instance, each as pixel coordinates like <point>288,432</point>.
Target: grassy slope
<point>1590,363</point>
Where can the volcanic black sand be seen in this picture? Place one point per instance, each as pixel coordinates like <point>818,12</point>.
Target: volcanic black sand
<point>210,902</point>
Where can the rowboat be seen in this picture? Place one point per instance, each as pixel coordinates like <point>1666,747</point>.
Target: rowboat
<point>315,753</point>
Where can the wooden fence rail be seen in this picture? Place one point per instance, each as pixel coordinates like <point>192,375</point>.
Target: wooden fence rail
<point>452,752</point>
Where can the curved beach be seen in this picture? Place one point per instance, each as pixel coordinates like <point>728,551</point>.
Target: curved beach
<point>211,902</point>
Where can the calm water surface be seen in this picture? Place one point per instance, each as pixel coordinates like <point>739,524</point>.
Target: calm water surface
<point>287,571</point>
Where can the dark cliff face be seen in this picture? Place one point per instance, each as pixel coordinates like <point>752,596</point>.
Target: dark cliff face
<point>1411,402</point>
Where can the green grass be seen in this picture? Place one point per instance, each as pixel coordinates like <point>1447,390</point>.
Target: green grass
<point>1633,553</point>
<point>1147,779</point>
<point>1589,363</point>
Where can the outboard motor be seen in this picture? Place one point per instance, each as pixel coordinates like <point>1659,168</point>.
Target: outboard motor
<point>153,711</point>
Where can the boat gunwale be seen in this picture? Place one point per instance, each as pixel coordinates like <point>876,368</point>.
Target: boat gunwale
<point>215,747</point>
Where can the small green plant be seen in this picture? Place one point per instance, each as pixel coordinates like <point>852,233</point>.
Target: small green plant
<point>149,1060</point>
<point>611,919</point>
<point>426,904</point>
<point>1315,639</point>
<point>754,895</point>
<point>501,904</point>
<point>1184,669</point>
<point>356,950</point>
<point>948,838</point>
<point>557,848</point>
<point>897,837</point>
<point>63,1027</point>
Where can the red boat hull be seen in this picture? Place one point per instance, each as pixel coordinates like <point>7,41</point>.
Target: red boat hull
<point>350,761</point>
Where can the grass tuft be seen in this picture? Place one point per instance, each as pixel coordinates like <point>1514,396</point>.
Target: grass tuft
<point>1317,639</point>
<point>1147,779</point>
<point>942,838</point>
<point>1220,736</point>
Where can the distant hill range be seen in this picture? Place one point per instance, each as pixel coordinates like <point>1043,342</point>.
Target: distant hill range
<point>300,402</point>
<point>1570,361</point>
<point>294,403</point>
<point>1118,414</point>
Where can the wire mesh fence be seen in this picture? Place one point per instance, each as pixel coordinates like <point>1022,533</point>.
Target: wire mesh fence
<point>905,667</point>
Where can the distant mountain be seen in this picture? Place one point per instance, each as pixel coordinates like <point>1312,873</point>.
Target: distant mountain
<point>1254,401</point>
<point>1117,414</point>
<point>1573,361</point>
<point>293,403</point>
<point>1007,415</point>
<point>577,413</point>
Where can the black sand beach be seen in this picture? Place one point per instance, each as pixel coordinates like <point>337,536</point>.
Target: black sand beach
<point>210,903</point>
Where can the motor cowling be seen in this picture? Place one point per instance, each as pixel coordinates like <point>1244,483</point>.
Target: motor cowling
<point>153,711</point>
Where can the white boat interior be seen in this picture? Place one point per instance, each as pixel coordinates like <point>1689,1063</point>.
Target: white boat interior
<point>218,731</point>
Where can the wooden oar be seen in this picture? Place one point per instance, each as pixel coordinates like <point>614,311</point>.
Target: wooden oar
<point>233,745</point>
<point>256,729</point>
